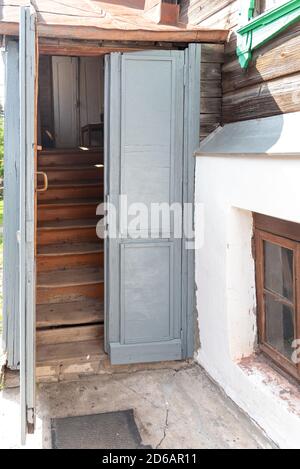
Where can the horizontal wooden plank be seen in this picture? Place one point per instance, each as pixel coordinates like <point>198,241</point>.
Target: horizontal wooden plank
<point>67,314</point>
<point>78,352</point>
<point>211,106</point>
<point>211,89</point>
<point>66,249</point>
<point>211,71</point>
<point>70,277</point>
<point>213,53</point>
<point>279,58</point>
<point>208,123</point>
<point>263,100</point>
<point>66,335</point>
<point>170,34</point>
<point>202,12</point>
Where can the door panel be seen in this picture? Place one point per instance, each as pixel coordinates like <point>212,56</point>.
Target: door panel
<point>145,145</point>
<point>65,99</point>
<point>28,100</point>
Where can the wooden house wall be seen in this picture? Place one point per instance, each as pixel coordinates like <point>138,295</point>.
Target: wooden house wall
<point>271,84</point>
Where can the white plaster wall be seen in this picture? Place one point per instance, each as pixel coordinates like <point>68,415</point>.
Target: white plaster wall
<point>230,189</point>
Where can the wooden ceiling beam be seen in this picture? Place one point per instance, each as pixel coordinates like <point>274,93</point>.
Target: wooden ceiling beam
<point>75,48</point>
<point>97,34</point>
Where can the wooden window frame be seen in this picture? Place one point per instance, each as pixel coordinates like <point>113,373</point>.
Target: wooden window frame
<point>276,237</point>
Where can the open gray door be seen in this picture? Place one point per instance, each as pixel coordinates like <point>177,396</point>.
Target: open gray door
<point>144,164</point>
<point>28,78</point>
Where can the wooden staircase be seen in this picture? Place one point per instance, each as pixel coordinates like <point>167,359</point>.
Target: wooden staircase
<point>70,259</point>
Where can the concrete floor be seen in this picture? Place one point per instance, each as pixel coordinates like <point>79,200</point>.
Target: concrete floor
<point>174,409</point>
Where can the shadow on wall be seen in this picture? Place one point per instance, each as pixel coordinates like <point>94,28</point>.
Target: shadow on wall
<point>269,87</point>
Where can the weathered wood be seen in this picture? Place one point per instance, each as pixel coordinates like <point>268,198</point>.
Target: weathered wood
<point>96,48</point>
<point>208,123</point>
<point>70,277</point>
<point>277,59</point>
<point>263,100</point>
<point>81,352</point>
<point>11,206</point>
<point>72,334</point>
<point>202,12</point>
<point>211,89</point>
<point>212,53</point>
<point>67,314</point>
<point>211,71</point>
<point>60,294</point>
<point>213,36</point>
<point>211,106</point>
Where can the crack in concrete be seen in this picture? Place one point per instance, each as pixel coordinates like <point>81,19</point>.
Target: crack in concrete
<point>165,429</point>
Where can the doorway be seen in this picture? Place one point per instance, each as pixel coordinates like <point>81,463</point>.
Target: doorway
<point>133,293</point>
<point>69,255</point>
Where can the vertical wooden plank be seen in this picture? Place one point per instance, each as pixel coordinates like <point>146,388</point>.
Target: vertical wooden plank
<point>28,133</point>
<point>11,206</point>
<point>191,143</point>
<point>106,192</point>
<point>65,100</point>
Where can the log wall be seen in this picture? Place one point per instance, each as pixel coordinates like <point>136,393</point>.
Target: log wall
<point>271,84</point>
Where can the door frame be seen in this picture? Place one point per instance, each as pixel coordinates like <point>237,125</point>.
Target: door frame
<point>28,57</point>
<point>192,106</point>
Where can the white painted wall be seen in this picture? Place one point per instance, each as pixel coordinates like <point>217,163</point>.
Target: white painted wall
<point>230,189</point>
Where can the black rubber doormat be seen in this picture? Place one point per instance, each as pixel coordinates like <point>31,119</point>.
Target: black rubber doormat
<point>112,430</point>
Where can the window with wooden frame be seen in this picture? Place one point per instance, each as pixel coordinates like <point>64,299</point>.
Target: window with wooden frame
<point>277,253</point>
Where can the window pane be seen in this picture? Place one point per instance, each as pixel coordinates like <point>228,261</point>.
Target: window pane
<point>280,329</point>
<point>279,270</point>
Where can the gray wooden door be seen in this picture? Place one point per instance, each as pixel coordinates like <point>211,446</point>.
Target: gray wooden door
<point>28,58</point>
<point>144,162</point>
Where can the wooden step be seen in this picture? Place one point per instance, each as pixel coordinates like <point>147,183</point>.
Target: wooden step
<point>63,335</point>
<point>70,285</point>
<point>62,256</point>
<point>67,190</point>
<point>68,202</point>
<point>69,314</point>
<point>67,209</point>
<point>70,277</point>
<point>67,231</point>
<point>72,173</point>
<point>83,352</point>
<point>62,157</point>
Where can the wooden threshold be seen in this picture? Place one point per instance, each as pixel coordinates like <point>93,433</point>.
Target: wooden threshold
<point>72,352</point>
